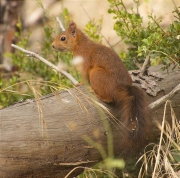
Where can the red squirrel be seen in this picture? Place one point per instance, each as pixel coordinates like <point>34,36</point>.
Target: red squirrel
<point>110,81</point>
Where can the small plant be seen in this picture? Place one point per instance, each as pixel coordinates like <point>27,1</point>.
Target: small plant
<point>107,168</point>
<point>93,30</point>
<point>161,43</point>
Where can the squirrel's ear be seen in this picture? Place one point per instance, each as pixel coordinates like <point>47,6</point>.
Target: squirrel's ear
<point>72,28</point>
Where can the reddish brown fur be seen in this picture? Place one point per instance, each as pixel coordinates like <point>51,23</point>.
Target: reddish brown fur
<point>110,81</point>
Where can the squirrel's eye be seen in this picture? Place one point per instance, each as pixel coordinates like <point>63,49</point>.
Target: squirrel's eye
<point>63,38</point>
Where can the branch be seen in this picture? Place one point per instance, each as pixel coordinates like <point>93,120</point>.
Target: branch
<point>60,24</point>
<point>145,64</point>
<point>163,99</point>
<point>136,63</point>
<point>32,54</point>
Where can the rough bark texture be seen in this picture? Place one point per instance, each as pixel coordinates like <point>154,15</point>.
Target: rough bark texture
<point>45,137</point>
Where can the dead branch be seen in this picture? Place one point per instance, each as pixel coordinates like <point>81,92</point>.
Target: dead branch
<point>60,24</point>
<point>32,54</point>
<point>152,106</point>
<point>100,32</point>
<point>145,65</point>
<point>163,99</point>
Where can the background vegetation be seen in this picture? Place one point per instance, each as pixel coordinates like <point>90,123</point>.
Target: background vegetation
<point>33,78</point>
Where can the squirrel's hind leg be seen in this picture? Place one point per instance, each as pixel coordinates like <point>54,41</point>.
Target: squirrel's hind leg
<point>101,83</point>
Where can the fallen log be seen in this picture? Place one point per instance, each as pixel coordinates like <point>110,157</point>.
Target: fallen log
<point>49,136</point>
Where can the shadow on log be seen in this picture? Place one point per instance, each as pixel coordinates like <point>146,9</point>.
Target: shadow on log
<point>45,137</point>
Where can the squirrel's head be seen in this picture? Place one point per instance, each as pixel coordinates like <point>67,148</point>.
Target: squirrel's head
<point>67,39</point>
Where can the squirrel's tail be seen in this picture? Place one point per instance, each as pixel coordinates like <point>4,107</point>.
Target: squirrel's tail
<point>134,116</point>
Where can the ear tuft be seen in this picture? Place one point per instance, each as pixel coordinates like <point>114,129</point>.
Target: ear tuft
<point>72,28</point>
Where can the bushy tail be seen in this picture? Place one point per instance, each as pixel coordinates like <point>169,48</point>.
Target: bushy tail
<point>134,116</point>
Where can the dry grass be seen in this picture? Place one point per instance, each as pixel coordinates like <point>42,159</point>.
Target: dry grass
<point>31,88</point>
<point>162,159</point>
<point>107,167</point>
<point>33,85</point>
<point>93,173</point>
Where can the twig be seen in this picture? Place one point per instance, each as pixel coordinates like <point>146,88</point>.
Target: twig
<point>100,32</point>
<point>145,64</point>
<point>32,54</point>
<point>175,4</point>
<point>77,163</point>
<point>136,63</point>
<point>163,99</point>
<point>60,24</point>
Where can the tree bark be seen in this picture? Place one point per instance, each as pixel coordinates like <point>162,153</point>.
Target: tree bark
<point>10,13</point>
<point>47,137</point>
